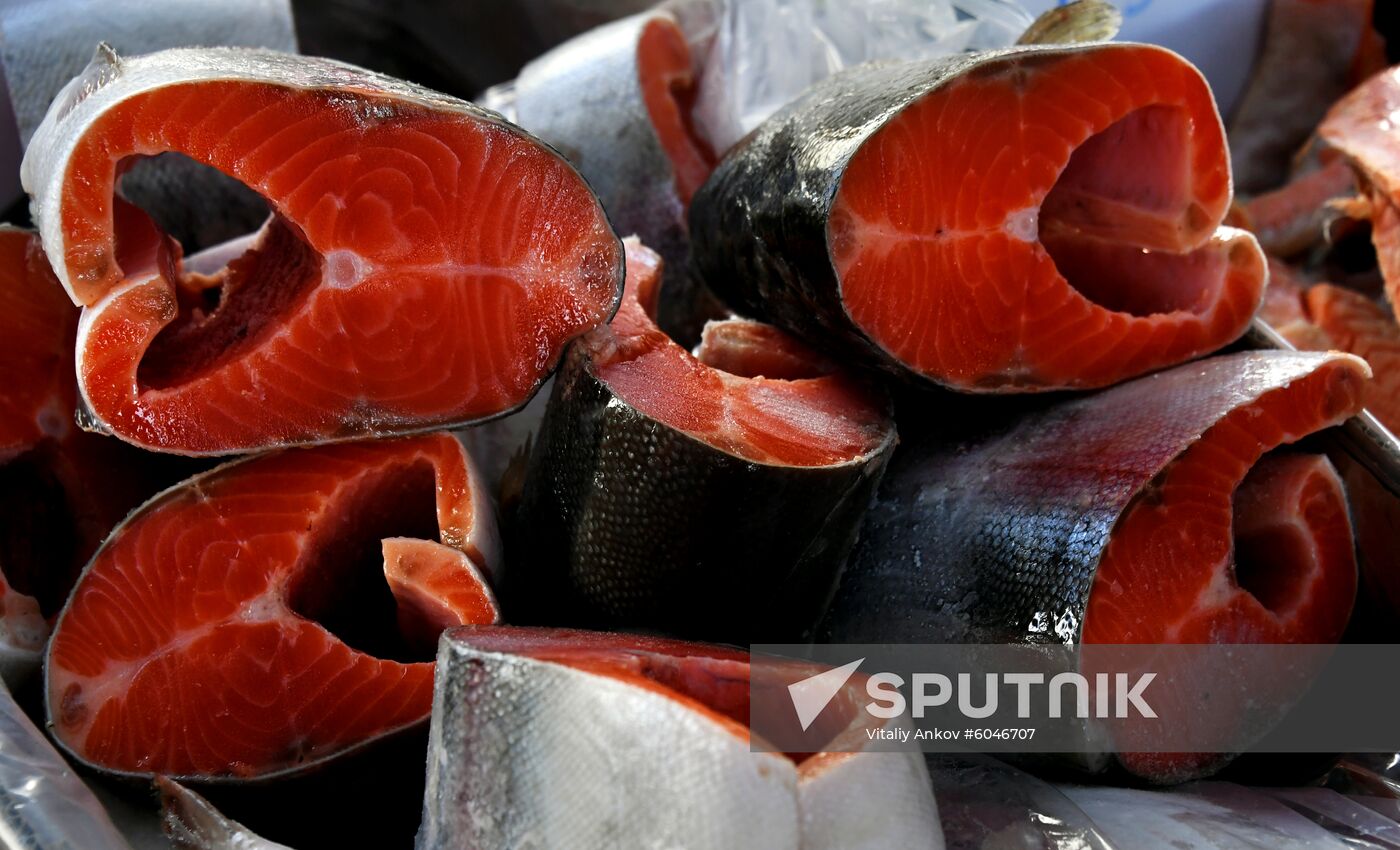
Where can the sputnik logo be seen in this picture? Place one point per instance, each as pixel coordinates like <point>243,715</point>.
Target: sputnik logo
<point>813,694</point>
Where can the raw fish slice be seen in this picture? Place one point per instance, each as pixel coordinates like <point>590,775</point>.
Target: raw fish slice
<point>1333,317</point>
<point>712,500</point>
<point>425,264</point>
<point>896,214</point>
<point>1285,309</point>
<point>1066,526</point>
<point>1357,324</point>
<point>235,627</point>
<point>1270,557</point>
<point>592,740</point>
<point>1361,126</point>
<point>617,102</point>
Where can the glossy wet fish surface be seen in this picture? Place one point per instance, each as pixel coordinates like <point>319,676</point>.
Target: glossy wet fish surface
<point>391,292</point>
<point>1073,247</point>
<point>711,496</point>
<point>256,581</point>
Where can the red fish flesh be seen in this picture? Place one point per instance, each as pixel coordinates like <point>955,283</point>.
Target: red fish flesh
<point>618,101</point>
<point>424,265</point>
<point>1361,126</point>
<point>647,449</point>
<point>1157,511</point>
<point>1023,220</point>
<point>235,626</point>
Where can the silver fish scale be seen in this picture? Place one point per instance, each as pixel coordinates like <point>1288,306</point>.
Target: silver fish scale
<point>1000,541</point>
<point>531,754</point>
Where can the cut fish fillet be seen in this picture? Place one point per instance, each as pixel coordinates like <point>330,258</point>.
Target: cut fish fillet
<point>1357,324</point>
<point>1073,245</point>
<point>1362,126</point>
<point>234,626</point>
<point>61,489</point>
<point>812,419</point>
<point>646,450</point>
<point>425,263</point>
<point>1157,511</point>
<point>1278,566</point>
<point>647,741</point>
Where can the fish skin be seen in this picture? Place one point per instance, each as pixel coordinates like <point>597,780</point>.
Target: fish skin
<point>124,316</point>
<point>238,599</point>
<point>1310,49</point>
<point>192,823</point>
<point>1031,533</point>
<point>621,510</point>
<point>507,735</point>
<point>867,801</point>
<point>999,540</point>
<point>760,226</point>
<point>585,98</point>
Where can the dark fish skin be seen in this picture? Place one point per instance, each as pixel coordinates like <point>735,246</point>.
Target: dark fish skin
<point>758,225</point>
<point>626,522</point>
<point>998,540</point>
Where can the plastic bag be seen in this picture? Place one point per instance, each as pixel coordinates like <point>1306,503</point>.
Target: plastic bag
<point>1218,36</point>
<point>42,802</point>
<point>762,54</point>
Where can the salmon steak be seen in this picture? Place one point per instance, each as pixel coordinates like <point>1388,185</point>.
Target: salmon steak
<point>273,613</point>
<point>524,717</point>
<point>424,264</point>
<point>1030,219</point>
<point>1361,126</point>
<point>62,488</point>
<point>1066,525</point>
<point>617,101</point>
<point>647,449</point>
